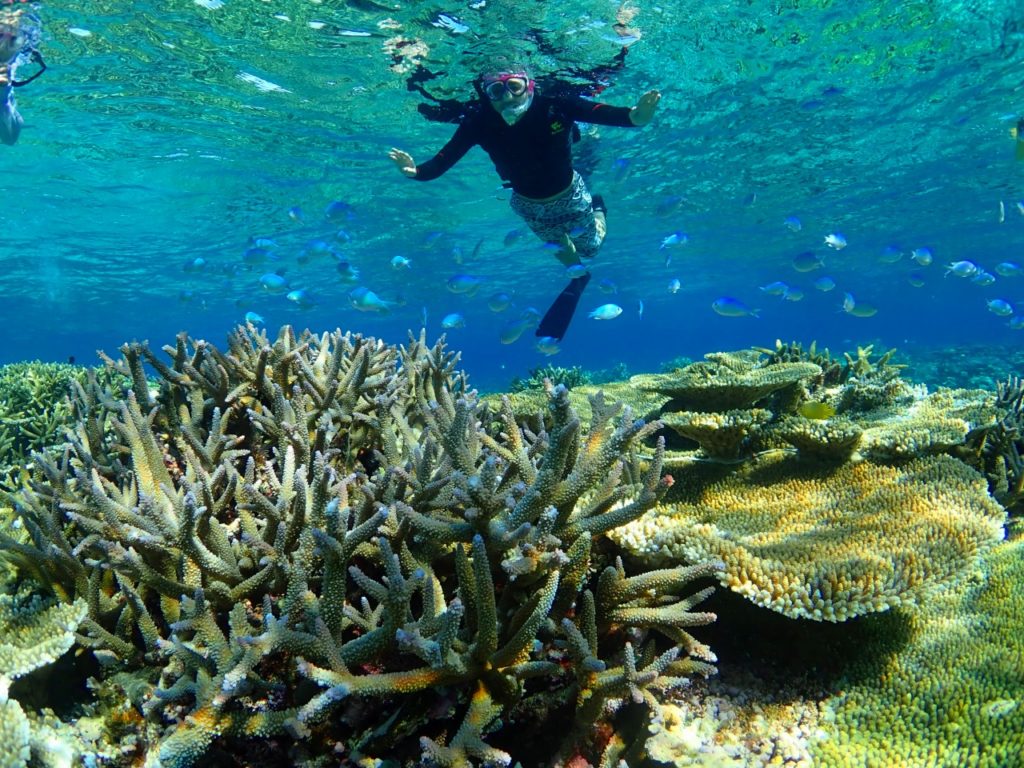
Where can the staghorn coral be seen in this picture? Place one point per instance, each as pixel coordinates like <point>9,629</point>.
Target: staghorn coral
<point>995,448</point>
<point>824,542</point>
<point>34,409</point>
<point>333,510</point>
<point>32,635</point>
<point>725,381</point>
<point>570,378</point>
<point>720,435</point>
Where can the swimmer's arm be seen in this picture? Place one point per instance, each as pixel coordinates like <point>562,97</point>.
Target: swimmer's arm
<point>450,154</point>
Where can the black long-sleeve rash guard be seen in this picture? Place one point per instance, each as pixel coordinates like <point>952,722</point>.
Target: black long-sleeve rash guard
<point>535,154</point>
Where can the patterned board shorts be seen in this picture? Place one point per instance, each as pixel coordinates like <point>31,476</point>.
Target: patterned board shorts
<point>571,213</point>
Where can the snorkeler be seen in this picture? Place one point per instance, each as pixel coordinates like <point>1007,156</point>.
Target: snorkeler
<point>528,137</point>
<point>18,34</point>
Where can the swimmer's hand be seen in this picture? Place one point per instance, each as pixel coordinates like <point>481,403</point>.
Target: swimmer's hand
<point>643,112</point>
<point>403,161</point>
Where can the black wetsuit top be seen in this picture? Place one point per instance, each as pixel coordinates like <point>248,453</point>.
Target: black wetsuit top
<point>535,154</point>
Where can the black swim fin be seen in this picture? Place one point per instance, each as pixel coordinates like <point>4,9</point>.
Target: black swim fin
<point>556,320</point>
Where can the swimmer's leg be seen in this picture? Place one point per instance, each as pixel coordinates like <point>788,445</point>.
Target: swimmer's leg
<point>10,119</point>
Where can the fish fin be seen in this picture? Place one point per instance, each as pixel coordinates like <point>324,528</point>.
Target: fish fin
<point>556,320</point>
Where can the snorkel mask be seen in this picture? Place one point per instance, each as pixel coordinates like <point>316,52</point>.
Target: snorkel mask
<point>510,93</point>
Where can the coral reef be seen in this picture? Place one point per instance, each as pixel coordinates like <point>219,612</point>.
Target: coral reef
<point>954,695</point>
<point>827,542</point>
<point>833,440</point>
<point>32,635</point>
<point>720,435</point>
<point>554,374</point>
<point>286,527</point>
<point>725,381</point>
<point>33,409</point>
<point>996,447</point>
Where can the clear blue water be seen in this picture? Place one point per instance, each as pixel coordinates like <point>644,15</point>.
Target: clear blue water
<point>149,144</point>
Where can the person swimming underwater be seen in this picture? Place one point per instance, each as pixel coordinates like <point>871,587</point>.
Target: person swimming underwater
<point>529,137</point>
<point>19,33</point>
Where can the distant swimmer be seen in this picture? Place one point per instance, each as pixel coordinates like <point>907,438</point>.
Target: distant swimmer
<point>19,33</point>
<point>529,138</point>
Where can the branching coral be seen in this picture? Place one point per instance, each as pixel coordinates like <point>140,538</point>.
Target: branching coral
<point>34,408</point>
<point>331,509</point>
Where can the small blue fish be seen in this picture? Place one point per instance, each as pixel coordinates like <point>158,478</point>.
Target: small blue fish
<point>639,309</point>
<point>254,319</point>
<point>513,329</point>
<point>186,295</point>
<point>890,254</point>
<point>400,262</point>
<point>467,284</point>
<point>835,240</point>
<point>676,238</point>
<point>620,169</point>
<point>726,306</point>
<point>365,300</point>
<point>999,307</point>
<point>808,261</point>
<point>499,302</point>
<point>453,320</point>
<point>196,265</point>
<point>607,285</point>
<point>923,256</point>
<point>857,308</point>
<point>1016,322</point>
<point>548,345</point>
<point>793,294</point>
<point>576,271</point>
<point>1009,269</point>
<point>792,223</point>
<point>606,312</point>
<point>348,273</point>
<point>295,213</point>
<point>983,278</point>
<point>512,236</point>
<point>778,288</point>
<point>669,205</point>
<point>674,285</point>
<point>255,255</point>
<point>825,283</point>
<point>338,209</point>
<point>916,279</point>
<point>274,283</point>
<point>301,298</point>
<point>262,242</point>
<point>962,268</point>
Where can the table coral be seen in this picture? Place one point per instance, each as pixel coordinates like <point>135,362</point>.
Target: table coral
<point>954,695</point>
<point>725,381</point>
<point>827,542</point>
<point>33,634</point>
<point>720,435</point>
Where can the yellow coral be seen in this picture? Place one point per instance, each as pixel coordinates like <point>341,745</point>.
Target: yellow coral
<point>724,381</point>
<point>827,543</point>
<point>721,435</point>
<point>833,439</point>
<point>955,694</point>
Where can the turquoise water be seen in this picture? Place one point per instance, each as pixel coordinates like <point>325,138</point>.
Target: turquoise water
<point>166,132</point>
